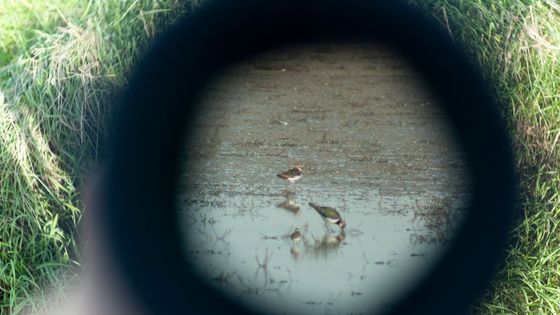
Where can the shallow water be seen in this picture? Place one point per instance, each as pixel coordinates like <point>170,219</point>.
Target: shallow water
<point>372,144</point>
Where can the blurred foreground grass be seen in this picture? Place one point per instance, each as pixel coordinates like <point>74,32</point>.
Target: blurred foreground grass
<point>517,44</point>
<point>60,65</point>
<point>62,61</point>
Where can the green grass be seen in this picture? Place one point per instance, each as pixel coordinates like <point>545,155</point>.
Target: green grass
<point>61,61</point>
<point>517,43</point>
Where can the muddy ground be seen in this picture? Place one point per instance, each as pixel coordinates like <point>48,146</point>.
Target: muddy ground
<point>372,143</point>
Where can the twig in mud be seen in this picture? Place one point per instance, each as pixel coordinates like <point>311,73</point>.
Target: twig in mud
<point>223,278</point>
<point>263,266</point>
<point>266,237</point>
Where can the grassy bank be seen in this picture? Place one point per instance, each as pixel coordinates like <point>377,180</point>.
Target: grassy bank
<point>61,60</point>
<point>517,43</point>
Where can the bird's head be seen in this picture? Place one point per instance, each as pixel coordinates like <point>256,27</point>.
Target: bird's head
<point>341,223</point>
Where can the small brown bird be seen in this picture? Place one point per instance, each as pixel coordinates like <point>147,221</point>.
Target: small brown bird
<point>292,175</point>
<point>329,214</point>
<point>296,236</point>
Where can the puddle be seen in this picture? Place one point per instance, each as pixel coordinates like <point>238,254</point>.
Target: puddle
<point>372,144</point>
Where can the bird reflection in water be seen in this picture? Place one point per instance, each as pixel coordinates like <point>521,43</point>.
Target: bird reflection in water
<point>316,247</point>
<point>296,238</point>
<point>290,204</point>
<point>327,244</point>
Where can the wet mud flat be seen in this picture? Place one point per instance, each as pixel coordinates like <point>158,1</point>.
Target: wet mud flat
<point>373,144</point>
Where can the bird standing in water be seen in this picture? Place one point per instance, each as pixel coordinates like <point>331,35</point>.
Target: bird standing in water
<point>329,215</point>
<point>292,175</point>
<point>296,236</point>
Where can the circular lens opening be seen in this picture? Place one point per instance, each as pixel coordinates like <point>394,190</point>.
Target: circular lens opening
<point>284,137</point>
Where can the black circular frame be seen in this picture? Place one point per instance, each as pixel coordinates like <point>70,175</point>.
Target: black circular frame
<point>161,102</point>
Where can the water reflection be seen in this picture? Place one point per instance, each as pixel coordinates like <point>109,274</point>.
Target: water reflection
<point>372,152</point>
<point>289,203</point>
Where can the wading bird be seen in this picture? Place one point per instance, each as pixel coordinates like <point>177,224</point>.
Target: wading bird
<point>291,175</point>
<point>329,215</point>
<point>296,236</point>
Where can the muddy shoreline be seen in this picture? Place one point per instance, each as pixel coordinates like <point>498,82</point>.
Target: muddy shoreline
<point>373,144</point>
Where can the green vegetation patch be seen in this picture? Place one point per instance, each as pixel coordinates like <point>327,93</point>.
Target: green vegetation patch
<point>517,44</point>
<point>60,63</point>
